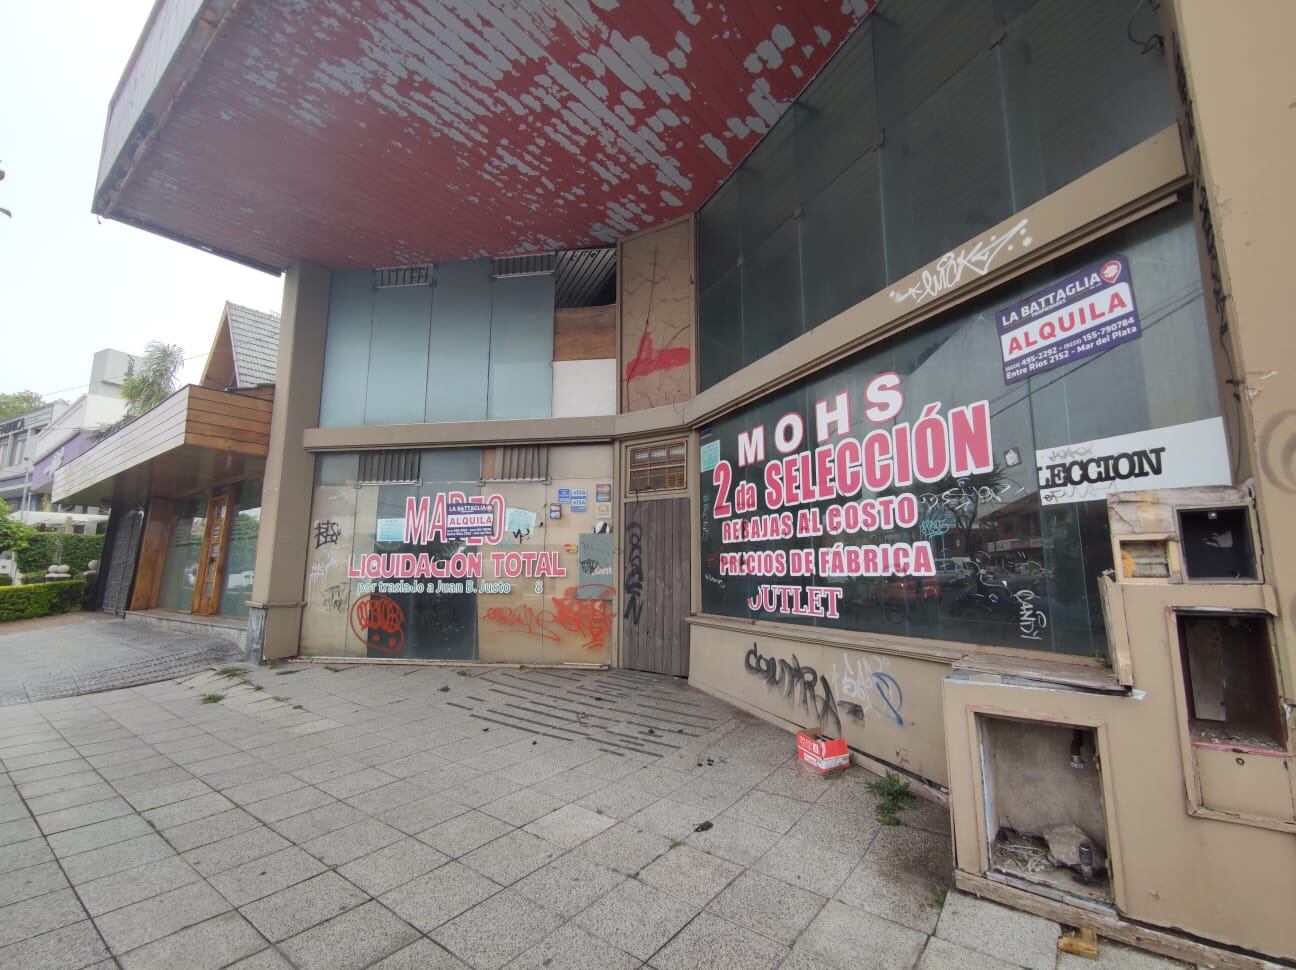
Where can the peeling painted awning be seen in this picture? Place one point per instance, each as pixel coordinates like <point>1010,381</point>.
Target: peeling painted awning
<point>380,133</point>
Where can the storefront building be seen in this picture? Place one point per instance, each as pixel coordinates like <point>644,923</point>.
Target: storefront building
<point>931,395</point>
<point>184,485</point>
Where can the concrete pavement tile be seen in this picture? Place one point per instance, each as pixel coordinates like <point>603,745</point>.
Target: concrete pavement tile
<point>690,874</point>
<point>15,810</point>
<point>778,813</point>
<point>637,918</point>
<point>177,813</point>
<point>351,842</point>
<point>19,830</point>
<point>104,861</point>
<point>711,943</point>
<point>463,833</point>
<point>1114,956</point>
<point>900,878</point>
<point>422,954</point>
<point>569,884</point>
<point>807,865</point>
<point>267,959</point>
<point>670,818</point>
<point>51,756</point>
<point>47,786</point>
<point>120,889</point>
<point>32,881</point>
<point>39,914</point>
<point>422,814</point>
<point>570,825</point>
<point>213,828</point>
<point>279,783</point>
<point>204,946</point>
<point>618,801</point>
<point>765,905</point>
<point>439,896</point>
<point>483,789</point>
<point>942,955</point>
<point>355,783</point>
<point>381,799</point>
<point>1006,934</point>
<point>98,835</point>
<point>496,930</point>
<point>392,866</point>
<point>353,940</point>
<point>69,798</point>
<point>67,948</point>
<point>520,807</point>
<point>171,775</point>
<point>625,848</point>
<point>739,842</point>
<point>266,875</point>
<point>511,856</point>
<point>445,777</point>
<point>216,857</point>
<point>570,785</point>
<point>318,821</point>
<point>140,766</point>
<point>712,796</point>
<point>849,829</point>
<point>571,948</point>
<point>324,770</point>
<point>851,939</point>
<point>290,803</point>
<point>289,911</point>
<point>178,791</point>
<point>151,919</point>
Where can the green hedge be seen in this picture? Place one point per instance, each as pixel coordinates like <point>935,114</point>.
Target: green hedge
<point>77,551</point>
<point>25,602</point>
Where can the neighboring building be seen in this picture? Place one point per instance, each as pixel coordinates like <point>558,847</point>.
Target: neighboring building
<point>184,484</point>
<point>18,438</point>
<point>932,393</point>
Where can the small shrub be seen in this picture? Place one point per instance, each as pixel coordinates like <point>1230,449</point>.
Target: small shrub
<point>213,698</point>
<point>43,599</point>
<point>32,579</point>
<point>893,794</point>
<point>6,580</point>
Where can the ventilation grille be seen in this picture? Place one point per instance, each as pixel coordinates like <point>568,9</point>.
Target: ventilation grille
<point>393,276</point>
<point>658,468</point>
<point>389,467</point>
<point>537,265</point>
<point>516,463</point>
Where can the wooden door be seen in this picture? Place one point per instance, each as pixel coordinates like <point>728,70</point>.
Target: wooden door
<point>656,573</point>
<point>211,559</point>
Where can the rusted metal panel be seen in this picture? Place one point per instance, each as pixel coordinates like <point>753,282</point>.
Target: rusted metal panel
<point>370,133</point>
<point>655,586</point>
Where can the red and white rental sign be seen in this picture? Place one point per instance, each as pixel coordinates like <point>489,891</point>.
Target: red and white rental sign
<point>1079,316</point>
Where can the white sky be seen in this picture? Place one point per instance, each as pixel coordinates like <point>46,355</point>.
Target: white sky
<point>69,285</point>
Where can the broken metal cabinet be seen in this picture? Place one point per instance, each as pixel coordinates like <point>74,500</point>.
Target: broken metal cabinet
<point>1193,773</point>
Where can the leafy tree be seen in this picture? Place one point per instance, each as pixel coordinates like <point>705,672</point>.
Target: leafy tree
<point>19,402</point>
<point>152,383</point>
<point>13,534</point>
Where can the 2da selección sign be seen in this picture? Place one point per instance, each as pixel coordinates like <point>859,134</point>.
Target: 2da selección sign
<point>1079,316</point>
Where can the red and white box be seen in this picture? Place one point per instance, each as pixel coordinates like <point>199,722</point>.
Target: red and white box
<point>822,754</point>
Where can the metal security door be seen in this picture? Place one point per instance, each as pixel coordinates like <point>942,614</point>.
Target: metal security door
<point>121,559</point>
<point>656,573</point>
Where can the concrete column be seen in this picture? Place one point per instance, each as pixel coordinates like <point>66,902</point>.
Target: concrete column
<point>274,622</point>
<point>1234,69</point>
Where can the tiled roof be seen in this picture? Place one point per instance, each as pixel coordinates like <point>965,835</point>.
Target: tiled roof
<point>254,335</point>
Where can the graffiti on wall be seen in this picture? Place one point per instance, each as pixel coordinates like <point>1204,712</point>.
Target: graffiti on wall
<point>327,533</point>
<point>583,610</point>
<point>970,262</point>
<point>379,623</point>
<point>868,689</point>
<point>802,686</point>
<point>633,581</point>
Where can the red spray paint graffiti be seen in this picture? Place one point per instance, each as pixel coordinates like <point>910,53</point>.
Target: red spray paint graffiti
<point>589,617</point>
<point>649,360</point>
<point>379,623</point>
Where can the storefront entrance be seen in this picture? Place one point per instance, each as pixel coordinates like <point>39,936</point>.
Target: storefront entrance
<point>207,589</point>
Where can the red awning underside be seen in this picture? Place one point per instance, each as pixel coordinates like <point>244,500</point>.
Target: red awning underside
<point>372,133</point>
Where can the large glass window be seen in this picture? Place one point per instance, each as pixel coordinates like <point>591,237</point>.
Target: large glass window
<point>240,557</point>
<point>1017,537</point>
<point>184,547</point>
<point>936,120</point>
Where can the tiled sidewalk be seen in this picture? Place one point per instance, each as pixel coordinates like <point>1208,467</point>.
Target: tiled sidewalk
<point>432,818</point>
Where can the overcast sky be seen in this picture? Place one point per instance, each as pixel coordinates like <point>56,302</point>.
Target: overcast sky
<point>69,285</point>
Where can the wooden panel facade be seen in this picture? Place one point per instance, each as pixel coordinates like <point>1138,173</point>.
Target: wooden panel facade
<point>234,424</point>
<point>656,573</point>
<point>157,531</point>
<point>585,333</point>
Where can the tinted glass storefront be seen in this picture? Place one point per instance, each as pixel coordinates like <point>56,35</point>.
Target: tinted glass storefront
<point>950,482</point>
<point>935,121</point>
<point>208,562</point>
<point>458,566</point>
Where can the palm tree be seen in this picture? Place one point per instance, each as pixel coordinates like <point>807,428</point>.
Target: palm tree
<point>152,382</point>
